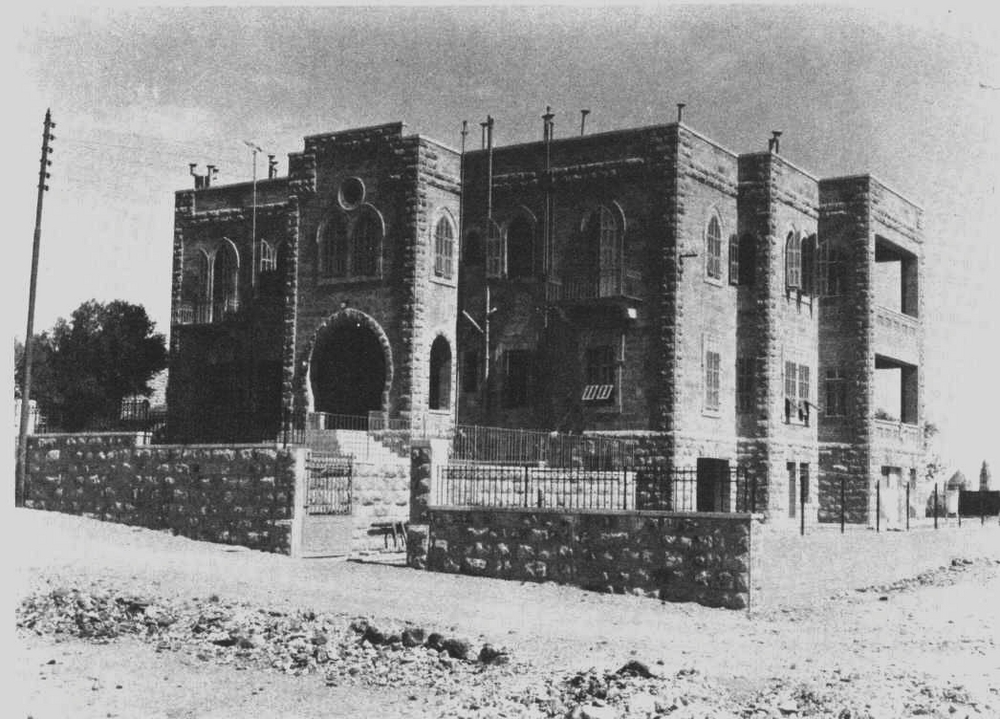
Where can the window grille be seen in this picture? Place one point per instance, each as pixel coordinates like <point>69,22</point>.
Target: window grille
<point>734,260</point>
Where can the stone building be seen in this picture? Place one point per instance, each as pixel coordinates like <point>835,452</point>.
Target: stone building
<point>727,307</point>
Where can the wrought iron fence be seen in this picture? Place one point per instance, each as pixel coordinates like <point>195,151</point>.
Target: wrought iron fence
<point>504,446</point>
<point>721,488</point>
<point>675,489</point>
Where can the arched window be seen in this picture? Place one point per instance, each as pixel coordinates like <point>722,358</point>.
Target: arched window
<point>748,260</point>
<point>829,269</point>
<point>494,251</point>
<point>472,248</point>
<point>366,246</point>
<point>603,252</point>
<point>809,264</point>
<point>268,257</point>
<point>793,261</point>
<point>439,396</point>
<point>333,248</point>
<point>225,276</point>
<point>713,249</point>
<point>444,248</point>
<point>520,248</point>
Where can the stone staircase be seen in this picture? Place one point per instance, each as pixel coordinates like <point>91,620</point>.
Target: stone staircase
<point>361,445</point>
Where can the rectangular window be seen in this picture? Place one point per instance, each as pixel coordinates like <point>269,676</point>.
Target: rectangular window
<point>793,498</point>
<point>836,393</point>
<point>734,260</point>
<point>517,378</point>
<point>797,393</point>
<point>494,252</point>
<point>804,481</point>
<point>470,371</point>
<point>744,384</point>
<point>713,371</point>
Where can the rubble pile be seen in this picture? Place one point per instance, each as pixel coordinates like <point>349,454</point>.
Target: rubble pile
<point>302,642</point>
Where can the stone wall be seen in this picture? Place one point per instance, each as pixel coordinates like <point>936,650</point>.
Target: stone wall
<point>675,557</point>
<point>381,494</point>
<point>229,494</point>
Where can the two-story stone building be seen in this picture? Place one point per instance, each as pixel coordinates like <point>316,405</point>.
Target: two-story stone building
<point>638,281</point>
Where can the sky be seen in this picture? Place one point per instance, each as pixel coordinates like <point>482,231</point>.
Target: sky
<point>908,93</point>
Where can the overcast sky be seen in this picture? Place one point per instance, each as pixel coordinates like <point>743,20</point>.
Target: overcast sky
<point>911,95</point>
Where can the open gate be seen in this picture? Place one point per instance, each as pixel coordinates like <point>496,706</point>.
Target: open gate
<point>328,522</point>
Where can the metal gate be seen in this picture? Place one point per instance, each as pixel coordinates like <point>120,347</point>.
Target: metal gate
<point>328,523</point>
<point>329,487</point>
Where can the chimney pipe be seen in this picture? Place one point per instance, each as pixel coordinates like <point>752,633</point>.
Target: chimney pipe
<point>213,172</point>
<point>547,119</point>
<point>482,126</point>
<point>773,145</point>
<point>680,112</point>
<point>583,120</point>
<point>272,167</point>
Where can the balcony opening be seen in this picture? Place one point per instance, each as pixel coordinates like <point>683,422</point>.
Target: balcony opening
<point>895,277</point>
<point>896,391</point>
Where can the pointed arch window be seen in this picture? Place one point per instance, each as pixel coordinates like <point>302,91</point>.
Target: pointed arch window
<point>444,248</point>
<point>793,261</point>
<point>713,249</point>
<point>366,246</point>
<point>225,277</point>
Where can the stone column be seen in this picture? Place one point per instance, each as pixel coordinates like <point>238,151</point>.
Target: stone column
<point>418,529</point>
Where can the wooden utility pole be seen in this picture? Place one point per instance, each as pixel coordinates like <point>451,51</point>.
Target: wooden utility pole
<point>21,470</point>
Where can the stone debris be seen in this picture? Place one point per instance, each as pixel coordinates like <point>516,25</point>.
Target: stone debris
<point>466,683</point>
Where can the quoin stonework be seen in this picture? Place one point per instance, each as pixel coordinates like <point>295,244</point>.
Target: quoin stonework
<point>644,282</point>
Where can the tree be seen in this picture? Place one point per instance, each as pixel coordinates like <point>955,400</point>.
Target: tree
<point>985,477</point>
<point>83,368</point>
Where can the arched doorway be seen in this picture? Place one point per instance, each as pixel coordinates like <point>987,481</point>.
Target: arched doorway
<point>348,367</point>
<point>439,396</point>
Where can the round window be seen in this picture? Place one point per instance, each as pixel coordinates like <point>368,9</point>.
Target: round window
<point>352,193</point>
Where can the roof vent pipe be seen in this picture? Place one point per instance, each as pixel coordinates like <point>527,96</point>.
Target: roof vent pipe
<point>272,167</point>
<point>773,145</point>
<point>213,172</point>
<point>482,125</point>
<point>680,112</point>
<point>583,120</point>
<point>547,124</point>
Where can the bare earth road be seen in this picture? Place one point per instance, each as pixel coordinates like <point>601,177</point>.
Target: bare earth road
<point>927,647</point>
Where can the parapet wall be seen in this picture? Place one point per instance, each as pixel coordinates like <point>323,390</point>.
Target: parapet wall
<point>702,558</point>
<point>230,494</point>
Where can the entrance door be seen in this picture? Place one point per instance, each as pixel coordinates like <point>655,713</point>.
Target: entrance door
<point>713,485</point>
<point>348,370</point>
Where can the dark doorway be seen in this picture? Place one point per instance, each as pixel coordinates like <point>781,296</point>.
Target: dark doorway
<point>713,485</point>
<point>440,379</point>
<point>348,370</point>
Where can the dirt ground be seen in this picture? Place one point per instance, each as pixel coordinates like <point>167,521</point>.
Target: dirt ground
<point>924,646</point>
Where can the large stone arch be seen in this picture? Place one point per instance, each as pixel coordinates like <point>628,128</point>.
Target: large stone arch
<point>350,320</point>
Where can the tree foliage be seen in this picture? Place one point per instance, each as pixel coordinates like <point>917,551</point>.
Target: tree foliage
<point>84,367</point>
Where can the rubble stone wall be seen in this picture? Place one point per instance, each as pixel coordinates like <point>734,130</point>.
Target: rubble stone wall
<point>229,494</point>
<point>664,555</point>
